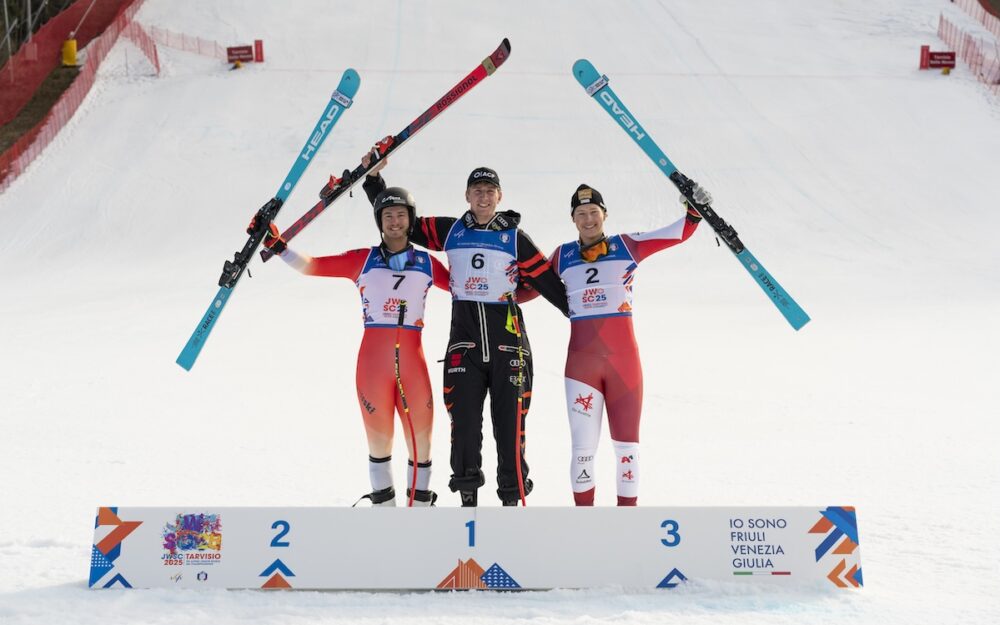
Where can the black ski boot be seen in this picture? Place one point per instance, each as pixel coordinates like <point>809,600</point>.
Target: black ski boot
<point>512,496</point>
<point>385,498</point>
<point>422,498</point>
<point>470,498</point>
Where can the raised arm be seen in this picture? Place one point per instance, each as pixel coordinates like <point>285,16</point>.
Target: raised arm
<point>642,245</point>
<point>346,265</point>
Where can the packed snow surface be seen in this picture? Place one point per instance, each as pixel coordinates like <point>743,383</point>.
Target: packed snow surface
<point>867,187</point>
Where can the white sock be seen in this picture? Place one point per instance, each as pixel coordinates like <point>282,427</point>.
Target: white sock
<point>423,475</point>
<point>380,472</point>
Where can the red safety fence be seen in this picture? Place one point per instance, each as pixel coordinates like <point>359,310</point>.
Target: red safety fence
<point>144,41</point>
<point>976,9</point>
<point>16,159</point>
<point>187,43</point>
<point>21,76</point>
<point>982,57</point>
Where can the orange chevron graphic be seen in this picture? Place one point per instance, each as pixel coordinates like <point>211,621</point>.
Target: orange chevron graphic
<point>822,526</point>
<point>846,548</point>
<point>467,574</point>
<point>276,581</point>
<point>834,575</point>
<point>114,538</point>
<point>117,535</point>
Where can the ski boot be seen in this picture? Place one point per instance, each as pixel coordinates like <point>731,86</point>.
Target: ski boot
<point>470,498</point>
<point>385,498</point>
<point>512,496</point>
<point>422,498</point>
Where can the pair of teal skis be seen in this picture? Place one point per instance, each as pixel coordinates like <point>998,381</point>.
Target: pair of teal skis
<point>596,86</point>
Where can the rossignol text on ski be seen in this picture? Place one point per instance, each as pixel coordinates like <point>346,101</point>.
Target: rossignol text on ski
<point>338,186</point>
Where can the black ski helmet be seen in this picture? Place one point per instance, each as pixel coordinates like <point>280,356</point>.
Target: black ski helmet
<point>395,196</point>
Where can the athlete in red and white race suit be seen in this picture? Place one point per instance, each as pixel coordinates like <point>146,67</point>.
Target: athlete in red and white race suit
<point>387,275</point>
<point>489,258</point>
<point>602,365</point>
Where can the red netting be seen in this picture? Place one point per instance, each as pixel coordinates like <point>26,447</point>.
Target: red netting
<point>187,43</point>
<point>14,161</point>
<point>138,35</point>
<point>983,58</point>
<point>976,9</point>
<point>21,76</point>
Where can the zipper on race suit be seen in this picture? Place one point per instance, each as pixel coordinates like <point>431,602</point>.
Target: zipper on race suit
<point>482,331</point>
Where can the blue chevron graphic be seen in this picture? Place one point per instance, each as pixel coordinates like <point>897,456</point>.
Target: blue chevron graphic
<point>667,582</point>
<point>844,520</point>
<point>828,543</point>
<point>277,565</point>
<point>118,578</point>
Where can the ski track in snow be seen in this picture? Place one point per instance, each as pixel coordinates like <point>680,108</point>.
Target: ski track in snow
<point>867,187</point>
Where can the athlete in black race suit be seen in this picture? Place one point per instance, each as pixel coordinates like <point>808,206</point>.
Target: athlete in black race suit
<point>489,258</point>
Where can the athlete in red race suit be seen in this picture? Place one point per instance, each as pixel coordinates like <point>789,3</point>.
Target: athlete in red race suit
<point>603,370</point>
<point>386,276</point>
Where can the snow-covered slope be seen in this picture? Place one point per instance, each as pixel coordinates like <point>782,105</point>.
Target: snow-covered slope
<point>868,188</point>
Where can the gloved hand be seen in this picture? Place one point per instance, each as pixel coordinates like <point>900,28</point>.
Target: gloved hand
<point>701,197</point>
<point>376,154</point>
<point>273,241</point>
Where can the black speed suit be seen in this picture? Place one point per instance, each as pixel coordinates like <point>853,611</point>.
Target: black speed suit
<point>482,351</point>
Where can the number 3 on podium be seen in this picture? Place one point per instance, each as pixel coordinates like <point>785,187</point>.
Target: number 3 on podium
<point>673,538</point>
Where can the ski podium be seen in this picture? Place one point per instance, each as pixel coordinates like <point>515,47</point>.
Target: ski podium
<point>489,548</point>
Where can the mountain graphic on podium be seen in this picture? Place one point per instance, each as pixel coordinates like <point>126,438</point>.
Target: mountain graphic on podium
<point>470,575</point>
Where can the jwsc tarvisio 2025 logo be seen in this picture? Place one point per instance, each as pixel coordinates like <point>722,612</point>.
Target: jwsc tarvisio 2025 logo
<point>192,539</point>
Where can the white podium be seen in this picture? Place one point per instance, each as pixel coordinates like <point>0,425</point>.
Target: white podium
<point>473,548</point>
